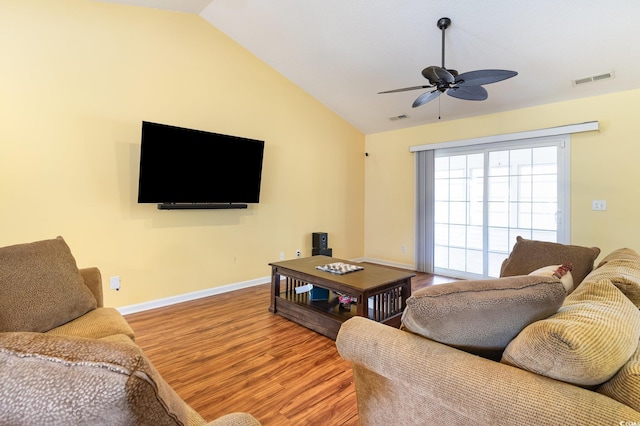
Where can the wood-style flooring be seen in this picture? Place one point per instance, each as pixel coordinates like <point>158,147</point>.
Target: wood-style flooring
<point>228,353</point>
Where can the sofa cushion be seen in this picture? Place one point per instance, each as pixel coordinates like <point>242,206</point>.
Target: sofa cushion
<point>62,380</point>
<point>529,255</point>
<point>40,287</point>
<point>550,271</point>
<point>622,268</point>
<point>625,385</point>
<point>100,322</point>
<point>481,314</point>
<point>586,342</point>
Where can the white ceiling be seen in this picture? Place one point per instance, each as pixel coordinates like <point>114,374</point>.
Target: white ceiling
<point>343,52</point>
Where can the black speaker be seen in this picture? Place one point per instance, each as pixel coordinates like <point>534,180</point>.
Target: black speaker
<point>320,240</point>
<point>323,252</point>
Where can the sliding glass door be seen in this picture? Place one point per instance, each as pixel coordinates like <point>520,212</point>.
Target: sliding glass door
<point>481,197</point>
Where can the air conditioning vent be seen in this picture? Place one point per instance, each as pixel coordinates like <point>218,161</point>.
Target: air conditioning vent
<point>606,76</point>
<point>582,81</point>
<point>399,117</point>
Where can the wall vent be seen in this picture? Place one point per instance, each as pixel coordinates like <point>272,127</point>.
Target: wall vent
<point>399,117</point>
<point>606,76</point>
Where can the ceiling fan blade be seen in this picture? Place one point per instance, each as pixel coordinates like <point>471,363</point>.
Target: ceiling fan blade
<point>480,77</point>
<point>469,93</point>
<point>425,97</point>
<point>406,89</point>
<point>437,75</point>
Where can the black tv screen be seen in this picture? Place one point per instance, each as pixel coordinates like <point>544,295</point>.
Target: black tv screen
<point>179,165</point>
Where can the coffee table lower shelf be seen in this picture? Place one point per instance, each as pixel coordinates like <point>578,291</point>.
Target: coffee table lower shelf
<point>322,316</point>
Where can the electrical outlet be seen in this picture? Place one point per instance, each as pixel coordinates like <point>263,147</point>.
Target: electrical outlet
<point>298,253</point>
<point>281,255</point>
<point>600,205</point>
<point>114,283</point>
<point>404,249</point>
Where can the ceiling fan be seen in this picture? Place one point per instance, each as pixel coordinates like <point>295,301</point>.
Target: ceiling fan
<point>467,86</point>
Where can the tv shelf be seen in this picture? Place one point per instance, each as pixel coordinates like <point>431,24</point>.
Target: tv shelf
<point>199,206</point>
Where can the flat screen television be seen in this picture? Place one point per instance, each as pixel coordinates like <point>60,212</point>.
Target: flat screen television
<point>184,168</point>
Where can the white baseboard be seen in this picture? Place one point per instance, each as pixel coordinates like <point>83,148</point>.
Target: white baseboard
<point>139,307</point>
<point>159,303</point>
<point>386,263</point>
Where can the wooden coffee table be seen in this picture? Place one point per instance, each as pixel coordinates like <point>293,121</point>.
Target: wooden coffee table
<point>381,293</point>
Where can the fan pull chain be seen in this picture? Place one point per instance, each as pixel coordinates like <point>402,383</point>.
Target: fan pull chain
<point>439,107</point>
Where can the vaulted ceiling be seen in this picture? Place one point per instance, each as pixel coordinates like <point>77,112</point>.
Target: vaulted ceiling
<point>344,52</point>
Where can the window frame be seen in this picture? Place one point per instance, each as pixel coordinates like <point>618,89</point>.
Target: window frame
<point>425,159</point>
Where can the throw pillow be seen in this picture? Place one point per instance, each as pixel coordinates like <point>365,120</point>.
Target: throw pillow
<point>586,342</point>
<point>625,385</point>
<point>529,255</point>
<point>71,380</point>
<point>481,315</point>
<point>41,287</point>
<point>552,271</point>
<point>622,268</point>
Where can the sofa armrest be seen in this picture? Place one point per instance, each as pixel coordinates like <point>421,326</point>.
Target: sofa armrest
<point>402,378</point>
<point>235,419</point>
<point>93,280</point>
<point>232,419</point>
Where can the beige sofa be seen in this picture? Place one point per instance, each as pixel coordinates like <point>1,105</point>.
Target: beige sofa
<point>579,365</point>
<point>66,359</point>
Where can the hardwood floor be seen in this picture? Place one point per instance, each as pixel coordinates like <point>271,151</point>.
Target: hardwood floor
<point>228,353</point>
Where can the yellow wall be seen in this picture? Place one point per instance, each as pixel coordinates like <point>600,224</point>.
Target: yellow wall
<point>78,77</point>
<point>604,165</point>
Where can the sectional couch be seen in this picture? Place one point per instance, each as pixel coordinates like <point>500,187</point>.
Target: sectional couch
<point>521,349</point>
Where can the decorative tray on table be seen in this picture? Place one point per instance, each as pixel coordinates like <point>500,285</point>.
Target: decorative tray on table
<point>339,268</point>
